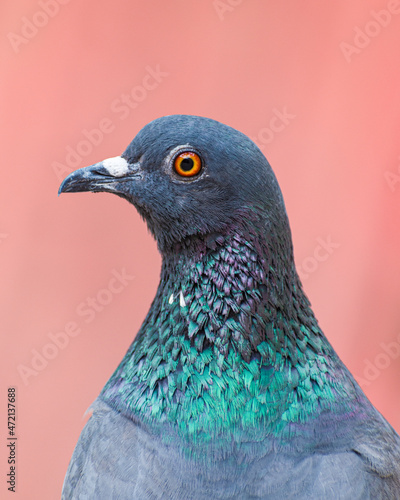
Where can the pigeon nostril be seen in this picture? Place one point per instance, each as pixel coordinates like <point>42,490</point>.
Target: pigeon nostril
<point>102,172</point>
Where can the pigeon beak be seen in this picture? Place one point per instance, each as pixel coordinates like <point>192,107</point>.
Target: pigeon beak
<point>107,175</point>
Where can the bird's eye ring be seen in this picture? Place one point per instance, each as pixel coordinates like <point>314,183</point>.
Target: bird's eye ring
<point>187,164</point>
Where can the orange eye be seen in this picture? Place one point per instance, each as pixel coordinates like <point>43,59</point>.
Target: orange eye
<point>187,164</point>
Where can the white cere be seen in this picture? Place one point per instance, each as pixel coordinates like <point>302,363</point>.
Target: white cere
<point>117,166</point>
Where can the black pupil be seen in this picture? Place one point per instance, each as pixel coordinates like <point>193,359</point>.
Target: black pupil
<point>187,164</point>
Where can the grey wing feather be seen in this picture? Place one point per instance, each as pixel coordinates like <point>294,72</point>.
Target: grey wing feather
<point>98,465</point>
<point>116,459</point>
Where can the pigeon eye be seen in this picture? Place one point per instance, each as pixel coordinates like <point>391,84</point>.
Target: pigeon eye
<point>187,164</point>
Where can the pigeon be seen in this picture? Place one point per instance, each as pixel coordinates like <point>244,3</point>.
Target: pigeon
<point>230,390</point>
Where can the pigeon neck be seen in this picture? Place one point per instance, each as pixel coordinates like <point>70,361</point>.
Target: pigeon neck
<point>239,291</point>
<point>230,332</point>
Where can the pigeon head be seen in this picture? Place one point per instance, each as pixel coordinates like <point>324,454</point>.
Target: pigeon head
<point>188,176</point>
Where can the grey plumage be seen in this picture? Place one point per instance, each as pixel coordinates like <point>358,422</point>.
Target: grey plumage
<point>117,458</point>
<point>230,389</point>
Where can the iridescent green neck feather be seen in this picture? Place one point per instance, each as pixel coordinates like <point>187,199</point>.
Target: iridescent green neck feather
<point>230,346</point>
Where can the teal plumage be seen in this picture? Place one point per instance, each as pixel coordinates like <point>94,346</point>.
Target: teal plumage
<point>230,375</point>
<point>225,351</point>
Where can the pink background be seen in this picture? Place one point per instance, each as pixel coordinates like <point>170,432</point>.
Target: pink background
<point>240,66</point>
